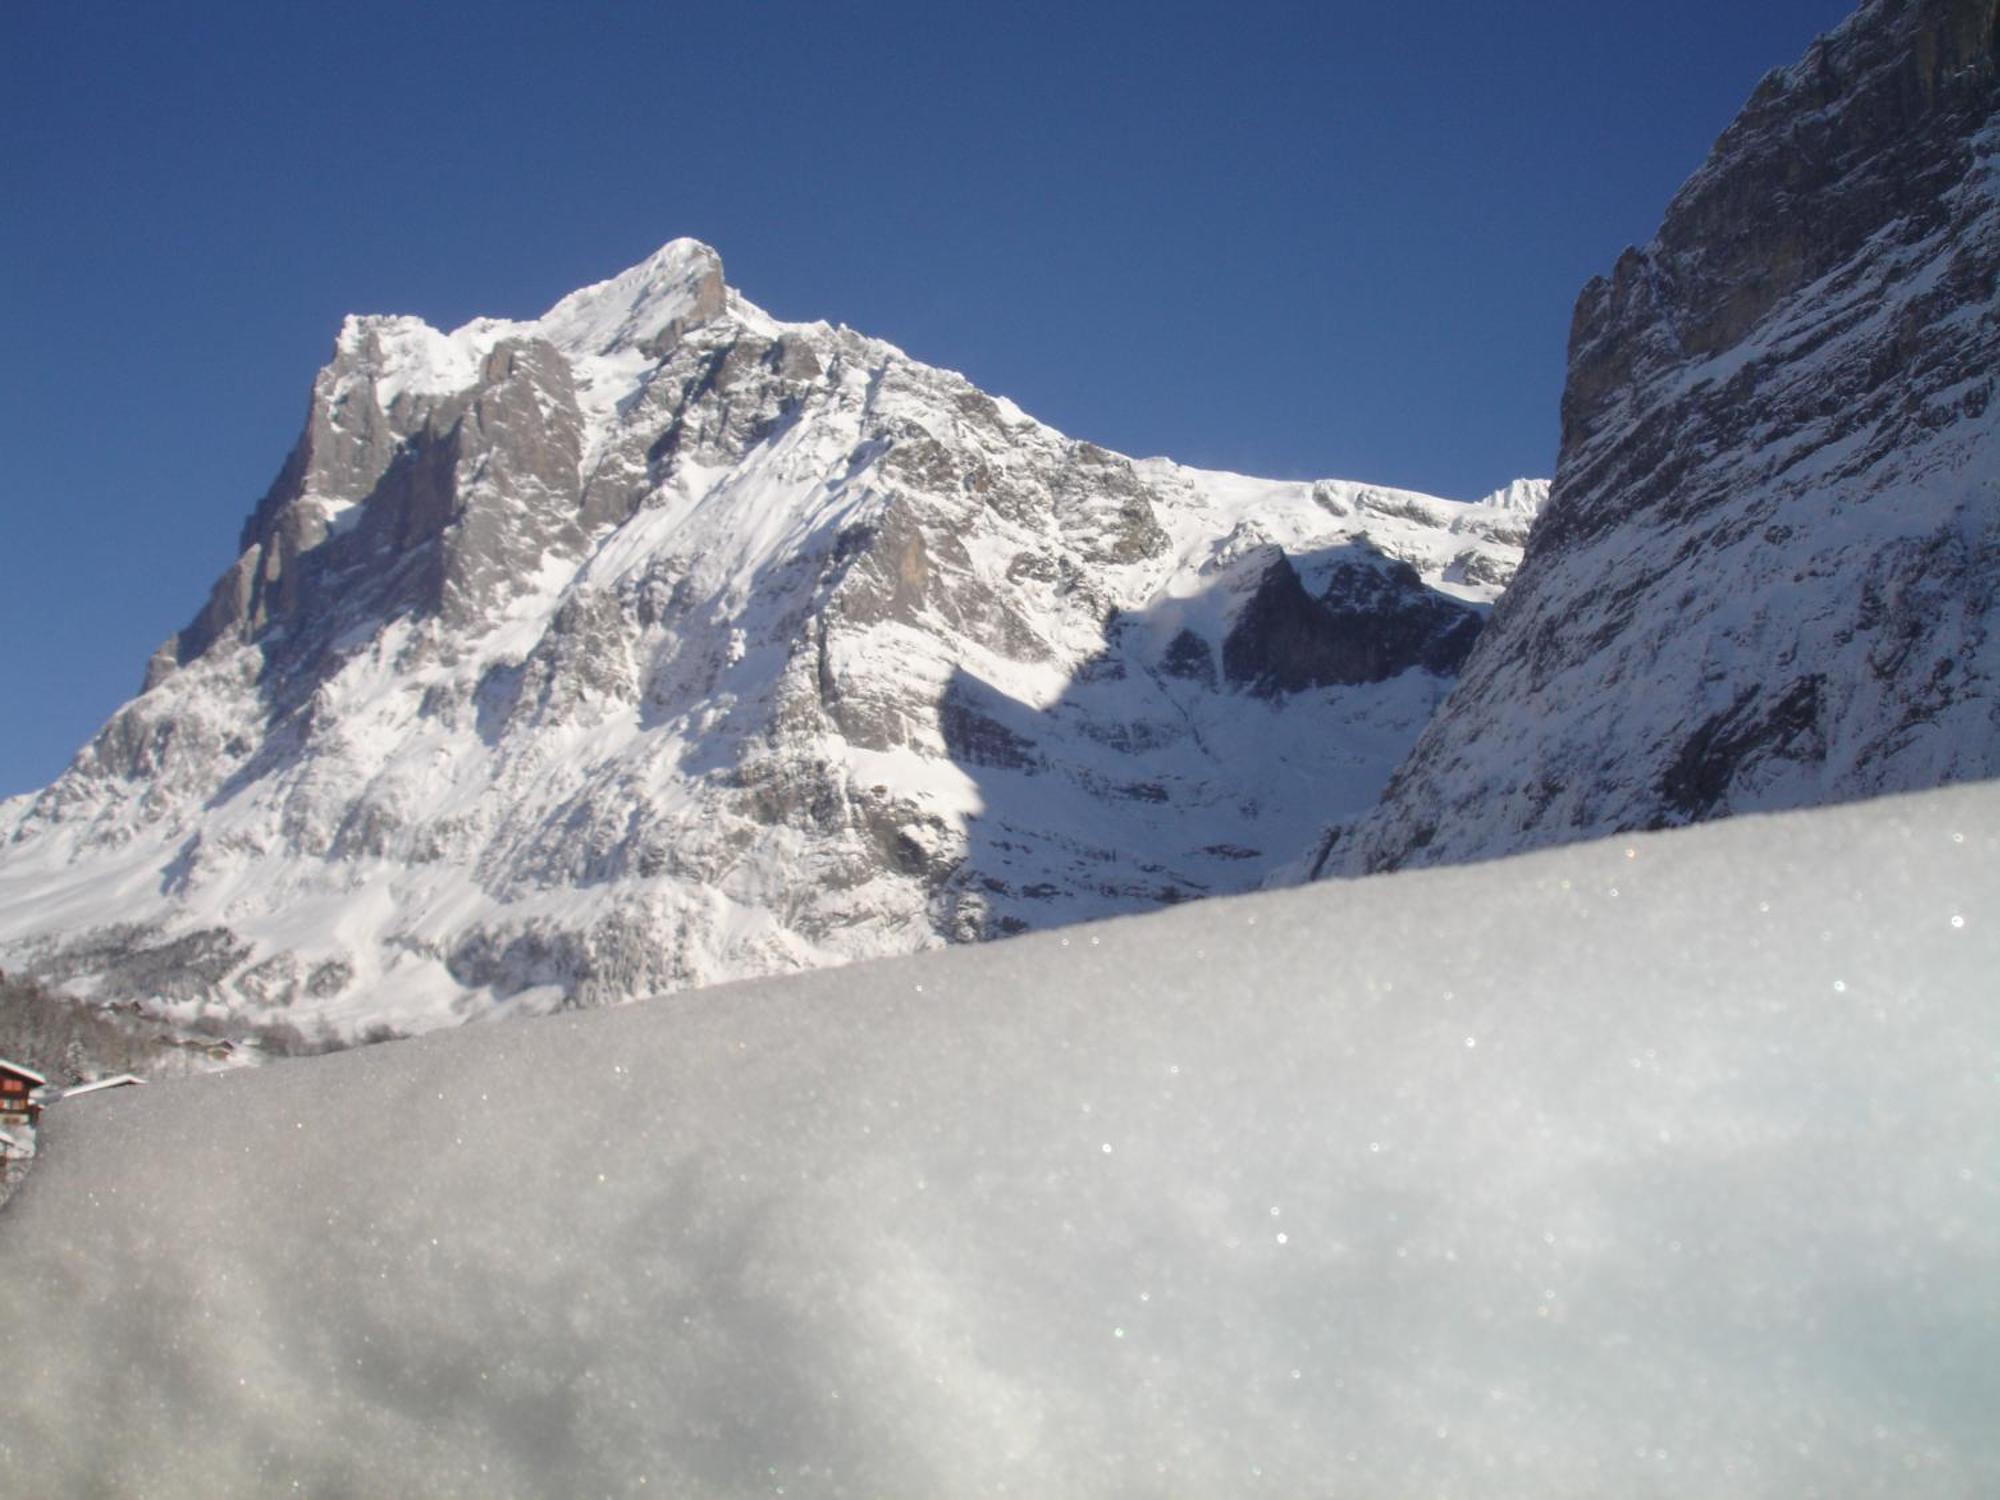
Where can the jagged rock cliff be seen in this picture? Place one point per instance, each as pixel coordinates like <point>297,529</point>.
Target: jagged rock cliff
<point>1766,576</point>
<point>657,642</point>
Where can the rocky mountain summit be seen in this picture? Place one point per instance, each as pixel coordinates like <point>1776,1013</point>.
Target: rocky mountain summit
<point>656,642</point>
<point>1766,577</point>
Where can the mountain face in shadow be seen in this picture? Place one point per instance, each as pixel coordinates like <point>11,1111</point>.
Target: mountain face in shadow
<point>1766,577</point>
<point>1185,757</point>
<point>1373,620</point>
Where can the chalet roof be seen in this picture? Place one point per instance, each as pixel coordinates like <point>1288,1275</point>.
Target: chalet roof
<point>20,1072</point>
<point>121,1081</point>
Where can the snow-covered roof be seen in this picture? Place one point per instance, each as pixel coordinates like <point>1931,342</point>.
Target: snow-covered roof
<point>119,1082</point>
<point>20,1072</point>
<point>12,1143</point>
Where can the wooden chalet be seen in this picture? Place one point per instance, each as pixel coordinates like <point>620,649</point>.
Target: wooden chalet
<point>19,1088</point>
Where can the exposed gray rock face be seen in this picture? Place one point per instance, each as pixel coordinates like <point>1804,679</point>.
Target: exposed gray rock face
<point>1373,620</point>
<point>1767,574</point>
<point>656,642</point>
<point>450,501</point>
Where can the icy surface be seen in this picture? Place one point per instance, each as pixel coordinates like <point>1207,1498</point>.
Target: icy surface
<point>1663,1166</point>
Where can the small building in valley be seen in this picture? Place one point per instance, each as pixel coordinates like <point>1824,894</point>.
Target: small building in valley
<point>20,1090</point>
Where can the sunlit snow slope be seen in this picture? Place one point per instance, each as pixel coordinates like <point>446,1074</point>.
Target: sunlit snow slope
<point>656,642</point>
<point>1652,1168</point>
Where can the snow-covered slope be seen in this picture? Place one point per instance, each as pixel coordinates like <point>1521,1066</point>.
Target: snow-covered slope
<point>1662,1167</point>
<point>657,642</point>
<point>1767,575</point>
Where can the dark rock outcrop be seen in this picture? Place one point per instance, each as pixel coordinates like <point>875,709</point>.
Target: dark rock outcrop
<point>1375,619</point>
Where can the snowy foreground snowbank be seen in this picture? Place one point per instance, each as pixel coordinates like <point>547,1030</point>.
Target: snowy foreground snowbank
<point>1658,1167</point>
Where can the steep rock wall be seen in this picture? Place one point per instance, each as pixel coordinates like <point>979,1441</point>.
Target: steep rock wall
<point>1766,575</point>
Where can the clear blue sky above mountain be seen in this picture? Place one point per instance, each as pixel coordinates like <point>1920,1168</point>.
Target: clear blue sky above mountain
<point>1293,239</point>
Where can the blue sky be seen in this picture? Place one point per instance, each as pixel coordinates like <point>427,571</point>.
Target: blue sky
<point>1294,239</point>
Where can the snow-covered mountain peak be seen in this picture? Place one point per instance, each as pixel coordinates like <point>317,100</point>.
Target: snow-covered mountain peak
<point>676,288</point>
<point>394,355</point>
<point>637,314</point>
<point>653,642</point>
<point>1522,496</point>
